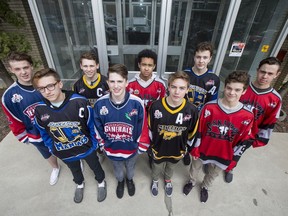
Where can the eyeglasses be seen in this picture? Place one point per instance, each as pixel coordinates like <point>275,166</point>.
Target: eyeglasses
<point>49,87</point>
<point>147,65</point>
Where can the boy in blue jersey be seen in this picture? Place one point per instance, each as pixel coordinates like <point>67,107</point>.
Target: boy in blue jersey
<point>204,84</point>
<point>18,103</point>
<point>65,122</point>
<point>121,124</point>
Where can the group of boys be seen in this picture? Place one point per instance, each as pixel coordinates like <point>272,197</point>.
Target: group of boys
<point>123,119</point>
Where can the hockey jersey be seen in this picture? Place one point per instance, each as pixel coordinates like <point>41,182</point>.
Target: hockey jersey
<point>122,129</point>
<point>203,88</point>
<point>222,134</point>
<point>92,93</point>
<point>148,91</point>
<point>171,129</point>
<point>68,131</point>
<point>266,106</point>
<point>18,103</point>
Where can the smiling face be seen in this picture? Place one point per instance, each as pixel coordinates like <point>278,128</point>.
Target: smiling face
<point>265,75</point>
<point>89,68</point>
<point>232,93</point>
<point>50,89</point>
<point>23,70</point>
<point>117,86</point>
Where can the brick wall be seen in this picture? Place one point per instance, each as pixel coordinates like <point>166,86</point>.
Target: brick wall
<point>22,7</point>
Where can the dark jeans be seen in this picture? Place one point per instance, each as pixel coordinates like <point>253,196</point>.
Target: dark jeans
<point>93,163</point>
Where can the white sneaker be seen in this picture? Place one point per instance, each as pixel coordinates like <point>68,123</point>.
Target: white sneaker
<point>54,175</point>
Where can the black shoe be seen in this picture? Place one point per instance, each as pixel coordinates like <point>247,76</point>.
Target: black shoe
<point>187,159</point>
<point>229,176</point>
<point>131,187</point>
<point>203,195</point>
<point>187,188</point>
<point>120,189</point>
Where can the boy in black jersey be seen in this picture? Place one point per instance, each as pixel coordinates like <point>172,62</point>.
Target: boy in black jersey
<point>92,84</point>
<point>65,122</point>
<point>172,123</point>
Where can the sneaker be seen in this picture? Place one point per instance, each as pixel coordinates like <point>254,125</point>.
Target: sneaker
<point>102,192</point>
<point>54,175</point>
<point>154,188</point>
<point>78,196</point>
<point>229,176</point>
<point>187,188</point>
<point>203,195</point>
<point>168,189</point>
<point>120,189</point>
<point>187,159</point>
<point>131,187</point>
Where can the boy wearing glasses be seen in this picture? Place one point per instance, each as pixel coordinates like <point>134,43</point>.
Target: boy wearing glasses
<point>147,85</point>
<point>65,122</point>
<point>19,102</point>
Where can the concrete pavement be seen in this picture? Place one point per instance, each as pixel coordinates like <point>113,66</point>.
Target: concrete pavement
<point>260,187</point>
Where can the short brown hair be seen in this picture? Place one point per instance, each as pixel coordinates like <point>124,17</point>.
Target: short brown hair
<point>45,73</point>
<point>119,69</point>
<point>179,75</point>
<point>239,77</point>
<point>270,61</point>
<point>204,46</point>
<point>19,56</point>
<point>89,56</point>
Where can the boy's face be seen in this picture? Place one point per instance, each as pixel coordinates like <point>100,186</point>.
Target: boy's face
<point>265,75</point>
<point>202,59</point>
<point>146,67</point>
<point>23,70</point>
<point>117,85</point>
<point>177,90</point>
<point>50,89</point>
<point>233,91</point>
<point>89,67</point>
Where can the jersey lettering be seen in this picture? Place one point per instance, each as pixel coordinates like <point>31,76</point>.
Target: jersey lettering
<point>212,90</point>
<point>81,112</point>
<point>179,119</point>
<point>99,92</point>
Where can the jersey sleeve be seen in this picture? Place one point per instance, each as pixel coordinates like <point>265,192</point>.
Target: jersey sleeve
<point>266,127</point>
<point>17,127</point>
<point>143,140</point>
<point>193,129</point>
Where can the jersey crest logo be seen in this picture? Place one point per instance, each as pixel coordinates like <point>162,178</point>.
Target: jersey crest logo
<point>132,113</point>
<point>170,131</point>
<point>210,82</point>
<point>45,117</point>
<point>273,104</point>
<point>136,92</point>
<point>118,131</point>
<point>82,90</point>
<point>187,117</point>
<point>158,114</point>
<point>16,98</point>
<point>256,108</point>
<point>246,122</point>
<point>222,130</point>
<point>207,113</point>
<point>104,110</point>
<point>30,111</point>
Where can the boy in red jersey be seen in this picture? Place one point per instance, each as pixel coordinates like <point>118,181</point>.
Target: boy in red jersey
<point>264,102</point>
<point>224,127</point>
<point>147,85</point>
